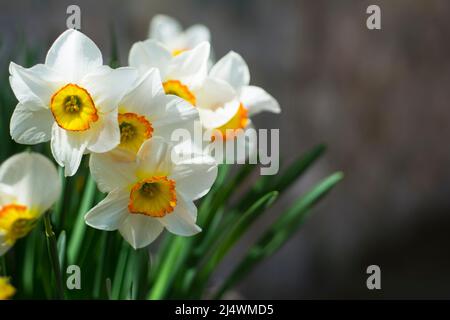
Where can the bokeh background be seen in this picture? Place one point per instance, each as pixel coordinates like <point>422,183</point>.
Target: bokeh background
<point>379,99</point>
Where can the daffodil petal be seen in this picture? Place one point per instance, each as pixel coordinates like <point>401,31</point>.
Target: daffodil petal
<point>196,34</point>
<point>214,93</point>
<point>140,230</point>
<point>233,69</point>
<point>178,114</point>
<point>109,86</point>
<point>6,194</point>
<point>146,97</point>
<point>35,84</point>
<point>182,220</point>
<point>154,156</point>
<point>164,28</point>
<point>74,55</point>
<point>149,54</point>
<point>30,125</point>
<point>68,148</point>
<point>257,100</point>
<point>108,134</point>
<point>33,178</point>
<point>109,173</point>
<point>110,212</point>
<point>195,177</point>
<point>190,67</point>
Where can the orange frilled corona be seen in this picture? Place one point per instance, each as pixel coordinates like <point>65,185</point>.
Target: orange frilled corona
<point>73,108</point>
<point>177,88</point>
<point>228,130</point>
<point>16,221</point>
<point>134,130</point>
<point>154,197</point>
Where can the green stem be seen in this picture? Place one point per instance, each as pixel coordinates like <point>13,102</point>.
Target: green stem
<point>53,255</point>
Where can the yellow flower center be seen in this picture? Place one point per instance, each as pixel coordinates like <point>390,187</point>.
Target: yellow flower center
<point>16,221</point>
<point>239,121</point>
<point>154,197</point>
<point>134,130</point>
<point>175,87</point>
<point>176,52</point>
<point>6,289</point>
<point>73,108</point>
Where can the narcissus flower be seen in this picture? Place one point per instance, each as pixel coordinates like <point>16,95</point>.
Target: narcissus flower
<point>6,289</point>
<point>146,111</point>
<point>169,32</point>
<point>71,100</point>
<point>182,75</point>
<point>152,193</point>
<point>226,101</point>
<point>29,186</point>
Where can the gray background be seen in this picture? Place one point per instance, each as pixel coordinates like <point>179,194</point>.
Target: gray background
<point>379,99</point>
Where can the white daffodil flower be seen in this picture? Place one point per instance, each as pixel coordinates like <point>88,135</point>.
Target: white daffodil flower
<point>226,101</point>
<point>146,111</point>
<point>181,75</point>
<point>169,32</point>
<point>150,194</point>
<point>71,100</point>
<point>29,186</point>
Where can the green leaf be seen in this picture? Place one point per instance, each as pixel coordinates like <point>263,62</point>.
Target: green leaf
<point>169,267</point>
<point>231,237</point>
<point>277,235</point>
<point>61,245</point>
<point>76,239</point>
<point>120,270</point>
<point>285,179</point>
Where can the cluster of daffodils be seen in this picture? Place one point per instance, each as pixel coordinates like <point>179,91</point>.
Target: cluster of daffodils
<point>124,118</point>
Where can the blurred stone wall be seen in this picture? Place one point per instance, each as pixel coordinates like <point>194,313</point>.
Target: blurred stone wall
<point>379,99</point>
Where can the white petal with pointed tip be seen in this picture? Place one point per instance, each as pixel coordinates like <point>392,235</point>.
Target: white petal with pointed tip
<point>190,67</point>
<point>214,93</point>
<point>195,177</point>
<point>147,96</point>
<point>109,86</point>
<point>257,100</point>
<point>110,212</point>
<point>111,173</point>
<point>164,28</point>
<point>73,55</point>
<point>233,69</point>
<point>31,125</point>
<point>182,220</point>
<point>140,230</point>
<point>154,157</point>
<point>36,84</point>
<point>149,54</point>
<point>195,35</point>
<point>68,148</point>
<point>108,134</point>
